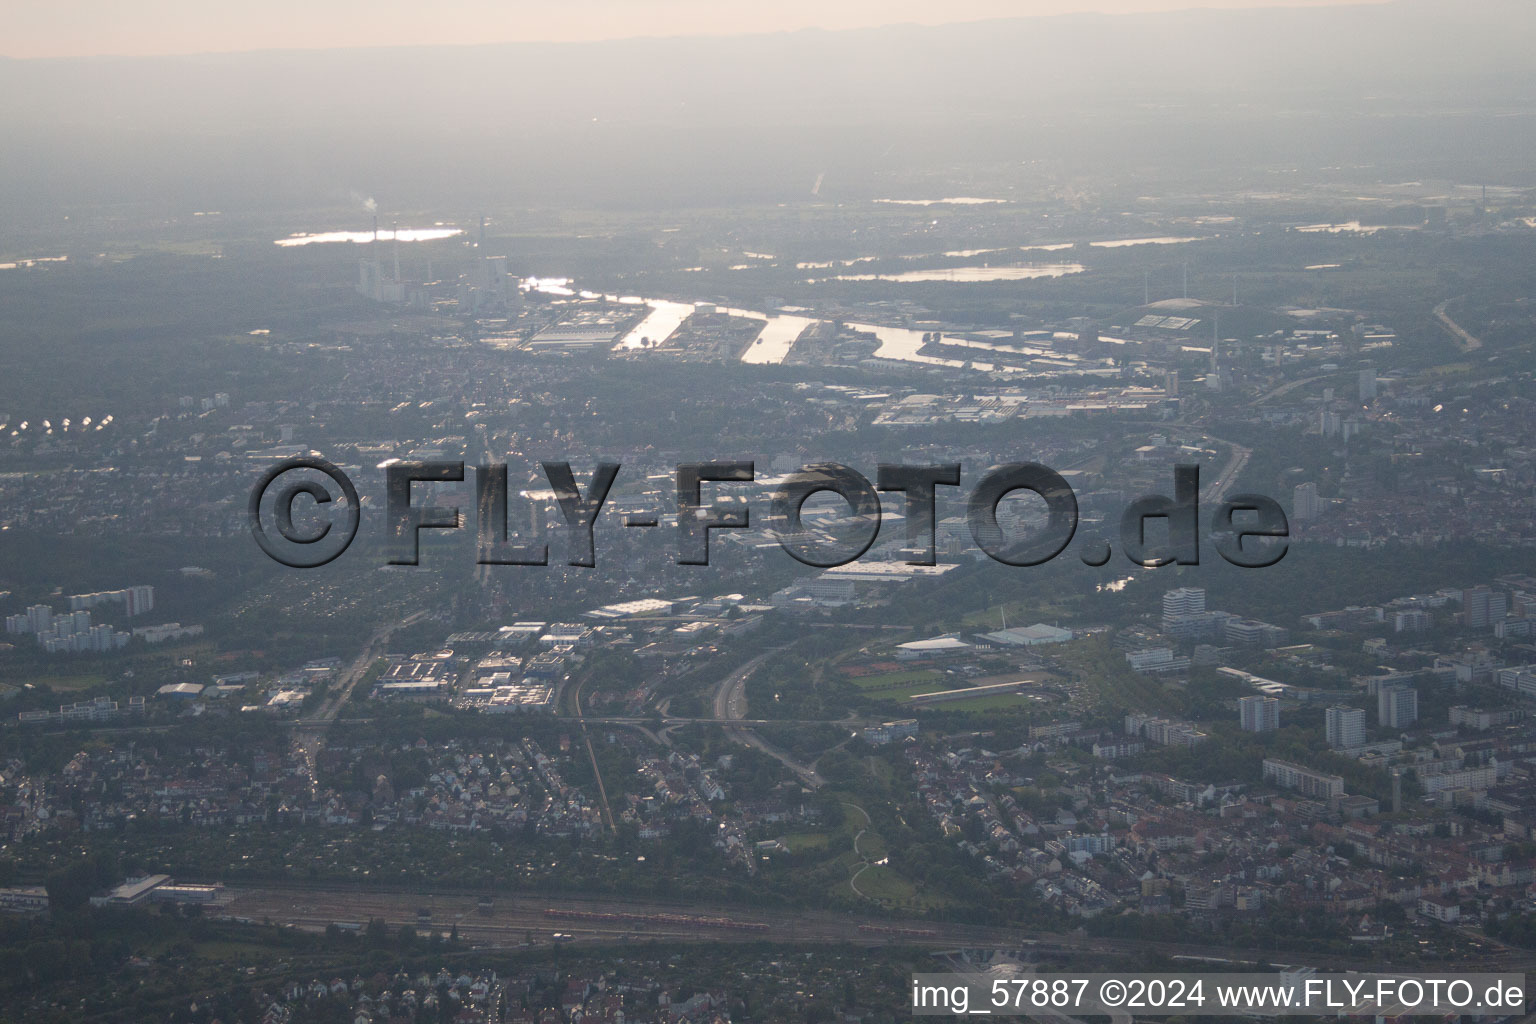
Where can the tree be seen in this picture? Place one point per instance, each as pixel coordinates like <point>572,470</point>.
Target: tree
<point>70,888</point>
<point>377,932</point>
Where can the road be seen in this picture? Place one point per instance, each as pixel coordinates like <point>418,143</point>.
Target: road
<point>597,773</point>
<point>1288,387</point>
<point>674,721</point>
<point>1467,342</point>
<point>731,707</point>
<point>731,693</point>
<point>327,712</point>
<point>309,732</point>
<point>1217,488</point>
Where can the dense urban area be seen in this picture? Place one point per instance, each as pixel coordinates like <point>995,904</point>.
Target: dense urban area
<point>541,774</point>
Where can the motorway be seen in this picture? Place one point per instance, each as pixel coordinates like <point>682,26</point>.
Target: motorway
<point>597,773</point>
<point>1217,488</point>
<point>1288,387</point>
<point>731,707</point>
<point>1467,342</point>
<point>309,732</point>
<point>731,694</point>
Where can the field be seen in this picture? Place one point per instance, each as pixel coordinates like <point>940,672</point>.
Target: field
<point>898,686</point>
<point>62,684</point>
<point>887,680</point>
<point>802,841</point>
<point>881,883</point>
<point>995,702</point>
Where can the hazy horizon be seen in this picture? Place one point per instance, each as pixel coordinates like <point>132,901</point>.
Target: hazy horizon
<point>759,117</point>
<point>95,28</point>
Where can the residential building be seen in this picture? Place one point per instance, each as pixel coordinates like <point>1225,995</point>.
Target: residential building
<point>1397,707</point>
<point>1345,727</point>
<point>1481,607</point>
<point>1258,713</point>
<point>1318,785</point>
<point>1183,601</point>
<point>1305,502</point>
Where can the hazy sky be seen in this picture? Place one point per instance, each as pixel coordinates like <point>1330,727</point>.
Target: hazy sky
<point>60,28</point>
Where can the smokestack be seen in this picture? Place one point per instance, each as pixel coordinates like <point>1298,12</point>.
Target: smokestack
<point>375,227</point>
<point>397,252</point>
<point>481,242</point>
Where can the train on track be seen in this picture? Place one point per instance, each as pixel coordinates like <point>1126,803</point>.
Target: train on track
<point>898,932</point>
<point>673,920</point>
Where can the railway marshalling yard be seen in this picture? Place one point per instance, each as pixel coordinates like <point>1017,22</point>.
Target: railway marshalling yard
<point>522,919</point>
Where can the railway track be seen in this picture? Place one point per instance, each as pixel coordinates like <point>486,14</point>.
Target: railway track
<point>517,915</point>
